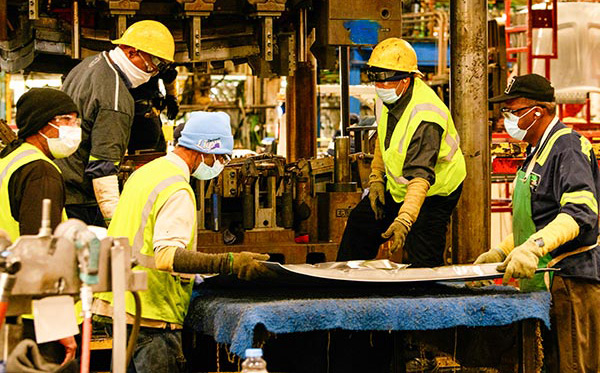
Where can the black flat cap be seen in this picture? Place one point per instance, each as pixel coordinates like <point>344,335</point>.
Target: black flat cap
<point>531,86</point>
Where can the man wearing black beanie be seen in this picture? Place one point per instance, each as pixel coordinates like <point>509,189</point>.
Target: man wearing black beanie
<point>48,129</point>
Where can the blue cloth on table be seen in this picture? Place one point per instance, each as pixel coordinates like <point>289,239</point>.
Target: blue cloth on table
<point>230,315</point>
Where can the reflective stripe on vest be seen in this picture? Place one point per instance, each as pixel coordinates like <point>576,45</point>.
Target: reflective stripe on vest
<point>24,154</point>
<point>138,241</point>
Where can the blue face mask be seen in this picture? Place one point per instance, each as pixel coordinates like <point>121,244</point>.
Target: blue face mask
<point>205,172</point>
<point>389,95</point>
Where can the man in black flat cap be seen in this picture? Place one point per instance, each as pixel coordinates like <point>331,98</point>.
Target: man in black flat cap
<point>555,223</point>
<point>48,126</point>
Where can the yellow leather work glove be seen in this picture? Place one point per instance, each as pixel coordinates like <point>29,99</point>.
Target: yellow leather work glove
<point>558,232</point>
<point>497,254</point>
<point>416,191</point>
<point>494,255</point>
<point>521,262</point>
<point>399,230</point>
<point>246,265</point>
<point>377,198</point>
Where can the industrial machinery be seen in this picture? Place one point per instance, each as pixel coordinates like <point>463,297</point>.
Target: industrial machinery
<point>271,35</point>
<point>71,261</point>
<point>297,211</point>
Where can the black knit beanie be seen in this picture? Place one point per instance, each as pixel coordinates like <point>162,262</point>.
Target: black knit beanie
<point>38,106</point>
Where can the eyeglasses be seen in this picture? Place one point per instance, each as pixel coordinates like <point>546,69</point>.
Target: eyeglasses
<point>384,76</point>
<point>156,64</point>
<point>506,111</point>
<point>70,119</point>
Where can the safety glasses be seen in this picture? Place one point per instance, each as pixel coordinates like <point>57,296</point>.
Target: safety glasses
<point>67,120</point>
<point>386,76</point>
<point>506,112</point>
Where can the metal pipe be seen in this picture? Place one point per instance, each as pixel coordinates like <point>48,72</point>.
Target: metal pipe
<point>287,211</point>
<point>75,51</point>
<point>342,159</point>
<point>3,21</point>
<point>469,107</point>
<point>344,62</point>
<point>302,31</point>
<point>248,206</point>
<point>45,229</point>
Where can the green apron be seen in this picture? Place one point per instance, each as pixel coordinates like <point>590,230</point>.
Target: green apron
<point>523,225</point>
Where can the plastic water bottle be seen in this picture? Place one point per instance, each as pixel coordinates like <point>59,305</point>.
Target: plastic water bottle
<point>254,362</point>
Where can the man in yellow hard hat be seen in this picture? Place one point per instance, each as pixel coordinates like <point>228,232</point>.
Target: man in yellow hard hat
<point>100,86</point>
<point>418,168</point>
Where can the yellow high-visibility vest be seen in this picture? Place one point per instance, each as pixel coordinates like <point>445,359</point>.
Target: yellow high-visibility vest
<point>450,169</point>
<point>145,192</point>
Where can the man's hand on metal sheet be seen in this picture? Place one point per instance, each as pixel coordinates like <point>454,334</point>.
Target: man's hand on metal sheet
<point>246,265</point>
<point>521,262</point>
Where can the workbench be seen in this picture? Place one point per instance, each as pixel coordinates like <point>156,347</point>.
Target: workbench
<point>232,316</point>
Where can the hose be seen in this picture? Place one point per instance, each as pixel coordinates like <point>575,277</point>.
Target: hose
<point>135,330</point>
<point>86,332</point>
<point>86,338</point>
<point>3,308</point>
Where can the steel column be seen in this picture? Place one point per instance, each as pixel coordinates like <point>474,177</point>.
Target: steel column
<point>344,62</point>
<point>469,107</point>
<point>301,112</point>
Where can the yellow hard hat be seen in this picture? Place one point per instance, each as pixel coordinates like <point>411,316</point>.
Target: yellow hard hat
<point>151,37</point>
<point>394,54</point>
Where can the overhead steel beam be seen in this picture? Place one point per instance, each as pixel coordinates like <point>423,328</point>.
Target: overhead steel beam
<point>469,107</point>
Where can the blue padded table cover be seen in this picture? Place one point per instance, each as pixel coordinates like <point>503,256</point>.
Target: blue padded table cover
<point>230,315</point>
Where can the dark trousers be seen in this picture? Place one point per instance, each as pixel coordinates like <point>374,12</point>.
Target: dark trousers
<point>425,243</point>
<point>90,215</point>
<point>573,344</point>
<point>156,350</point>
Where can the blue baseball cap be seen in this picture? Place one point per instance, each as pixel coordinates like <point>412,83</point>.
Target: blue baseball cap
<point>208,132</point>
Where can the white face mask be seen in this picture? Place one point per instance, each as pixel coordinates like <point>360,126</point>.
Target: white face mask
<point>388,95</point>
<point>511,125</point>
<point>135,75</point>
<point>67,142</point>
<point>204,172</point>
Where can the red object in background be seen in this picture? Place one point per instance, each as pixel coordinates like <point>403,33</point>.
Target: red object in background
<point>86,16</point>
<point>504,166</point>
<point>571,110</point>
<point>301,239</point>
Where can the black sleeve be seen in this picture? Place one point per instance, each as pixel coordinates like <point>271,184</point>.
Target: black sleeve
<point>110,135</point>
<point>28,187</point>
<point>576,187</point>
<point>423,151</point>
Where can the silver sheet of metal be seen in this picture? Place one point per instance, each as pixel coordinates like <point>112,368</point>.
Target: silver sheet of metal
<point>386,271</point>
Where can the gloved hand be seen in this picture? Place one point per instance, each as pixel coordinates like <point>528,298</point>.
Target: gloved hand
<point>172,106</point>
<point>399,230</point>
<point>245,265</point>
<point>416,191</point>
<point>521,262</point>
<point>494,255</point>
<point>106,189</point>
<point>377,198</point>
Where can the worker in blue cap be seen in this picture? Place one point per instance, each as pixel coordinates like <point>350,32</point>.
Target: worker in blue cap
<point>157,212</point>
